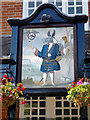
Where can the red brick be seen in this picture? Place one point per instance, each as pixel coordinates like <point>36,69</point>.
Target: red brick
<point>12,3</point>
<point>17,16</point>
<point>10,13</point>
<point>11,8</point>
<point>4,14</point>
<point>4,17</point>
<point>19,13</point>
<point>17,5</point>
<point>3,27</point>
<point>5,6</point>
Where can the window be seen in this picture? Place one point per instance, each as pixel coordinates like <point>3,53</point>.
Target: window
<point>38,2</point>
<point>69,7</point>
<point>70,10</point>
<point>78,2</point>
<point>75,7</point>
<point>59,4</point>
<point>79,6</point>
<point>78,10</point>
<point>30,11</point>
<point>31,5</point>
<point>70,2</point>
<point>51,1</point>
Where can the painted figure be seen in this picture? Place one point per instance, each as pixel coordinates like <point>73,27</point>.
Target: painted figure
<point>49,53</point>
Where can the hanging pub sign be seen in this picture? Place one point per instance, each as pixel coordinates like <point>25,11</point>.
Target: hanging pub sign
<point>47,47</point>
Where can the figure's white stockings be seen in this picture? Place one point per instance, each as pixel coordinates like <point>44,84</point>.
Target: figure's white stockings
<point>44,78</point>
<point>52,78</point>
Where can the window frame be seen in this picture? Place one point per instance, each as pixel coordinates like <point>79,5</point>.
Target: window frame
<point>75,7</point>
<point>26,8</point>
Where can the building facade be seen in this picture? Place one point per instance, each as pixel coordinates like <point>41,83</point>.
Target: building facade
<point>23,8</point>
<point>40,107</point>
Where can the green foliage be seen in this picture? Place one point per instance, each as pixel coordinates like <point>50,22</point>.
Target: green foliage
<point>9,92</point>
<point>79,93</point>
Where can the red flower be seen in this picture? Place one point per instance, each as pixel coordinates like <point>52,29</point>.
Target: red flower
<point>23,88</point>
<point>81,79</point>
<point>10,91</point>
<point>5,76</point>
<point>9,96</point>
<point>73,86</point>
<point>73,83</point>
<point>18,89</point>
<point>23,102</point>
<point>1,98</point>
<point>86,78</point>
<point>0,79</point>
<point>88,97</point>
<point>10,78</point>
<point>14,91</point>
<point>20,85</point>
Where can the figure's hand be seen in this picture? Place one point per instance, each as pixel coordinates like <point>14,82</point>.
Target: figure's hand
<point>62,53</point>
<point>31,46</point>
<point>36,52</point>
<point>68,47</point>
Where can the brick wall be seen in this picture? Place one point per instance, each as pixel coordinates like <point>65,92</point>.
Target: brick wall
<point>9,9</point>
<point>3,112</point>
<point>89,11</point>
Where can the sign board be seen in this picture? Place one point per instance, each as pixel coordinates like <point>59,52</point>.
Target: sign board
<point>47,48</point>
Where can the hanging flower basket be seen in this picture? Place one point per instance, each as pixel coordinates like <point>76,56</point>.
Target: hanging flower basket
<point>79,93</point>
<point>80,101</point>
<point>8,101</point>
<point>10,92</point>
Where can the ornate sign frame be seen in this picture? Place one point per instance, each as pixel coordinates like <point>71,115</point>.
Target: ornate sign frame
<point>25,42</point>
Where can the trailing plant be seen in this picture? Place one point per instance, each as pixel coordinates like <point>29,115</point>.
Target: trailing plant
<point>79,93</point>
<point>11,92</point>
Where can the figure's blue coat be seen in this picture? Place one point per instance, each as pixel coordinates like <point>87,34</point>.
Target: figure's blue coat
<point>49,63</point>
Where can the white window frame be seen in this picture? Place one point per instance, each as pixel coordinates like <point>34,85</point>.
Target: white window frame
<point>59,6</point>
<point>64,9</point>
<point>75,6</point>
<point>25,6</point>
